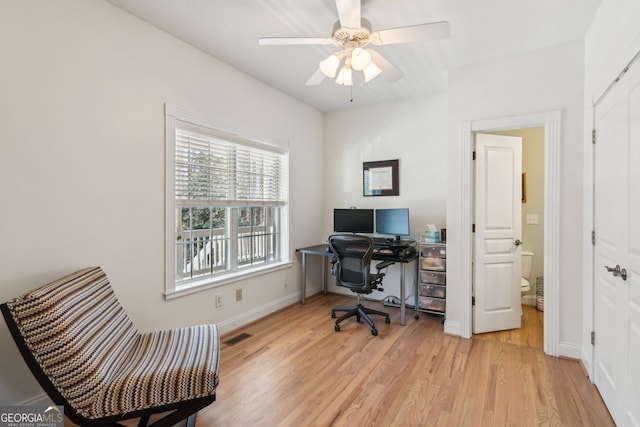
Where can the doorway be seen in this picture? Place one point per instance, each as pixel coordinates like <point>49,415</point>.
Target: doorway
<point>552,123</point>
<point>532,208</point>
<point>526,284</point>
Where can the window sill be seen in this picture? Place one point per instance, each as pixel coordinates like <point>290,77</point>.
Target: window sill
<point>214,282</point>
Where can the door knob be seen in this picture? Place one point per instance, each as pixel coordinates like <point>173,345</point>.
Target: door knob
<point>517,243</point>
<point>617,271</point>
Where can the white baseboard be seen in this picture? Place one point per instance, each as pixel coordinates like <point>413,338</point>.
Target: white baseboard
<point>570,350</point>
<point>587,361</point>
<point>452,328</point>
<point>257,313</point>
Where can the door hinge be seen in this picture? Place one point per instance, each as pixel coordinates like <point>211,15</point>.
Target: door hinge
<point>593,237</point>
<point>593,338</point>
<point>473,156</point>
<point>473,228</point>
<point>593,136</point>
<point>473,300</point>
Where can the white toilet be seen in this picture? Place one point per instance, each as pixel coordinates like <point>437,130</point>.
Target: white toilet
<point>527,257</point>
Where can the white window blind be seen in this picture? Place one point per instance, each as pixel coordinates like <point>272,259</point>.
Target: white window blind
<point>209,170</point>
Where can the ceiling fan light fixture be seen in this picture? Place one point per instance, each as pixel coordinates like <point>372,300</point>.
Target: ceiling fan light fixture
<point>371,71</point>
<point>344,77</point>
<point>360,58</point>
<point>351,34</point>
<point>329,66</point>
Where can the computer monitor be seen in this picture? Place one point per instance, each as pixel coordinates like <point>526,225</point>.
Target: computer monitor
<point>394,222</point>
<point>353,220</point>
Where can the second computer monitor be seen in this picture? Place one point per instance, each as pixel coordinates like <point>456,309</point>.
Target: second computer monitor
<point>394,222</point>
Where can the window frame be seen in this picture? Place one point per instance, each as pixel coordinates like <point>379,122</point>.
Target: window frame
<point>216,129</point>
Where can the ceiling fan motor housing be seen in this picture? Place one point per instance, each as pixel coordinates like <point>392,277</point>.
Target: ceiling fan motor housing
<point>360,36</point>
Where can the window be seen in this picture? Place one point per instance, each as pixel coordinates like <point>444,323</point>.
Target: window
<point>226,204</point>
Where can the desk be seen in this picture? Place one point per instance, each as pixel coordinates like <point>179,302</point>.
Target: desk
<point>321,250</point>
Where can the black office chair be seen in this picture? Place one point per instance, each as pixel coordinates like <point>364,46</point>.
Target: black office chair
<point>351,264</point>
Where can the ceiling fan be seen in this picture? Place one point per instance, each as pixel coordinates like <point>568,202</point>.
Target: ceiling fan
<point>352,34</point>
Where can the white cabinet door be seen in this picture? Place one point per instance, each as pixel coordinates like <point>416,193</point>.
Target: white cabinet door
<point>497,258</point>
<point>617,227</point>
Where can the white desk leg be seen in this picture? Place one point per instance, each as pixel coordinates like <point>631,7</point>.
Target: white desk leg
<point>303,298</point>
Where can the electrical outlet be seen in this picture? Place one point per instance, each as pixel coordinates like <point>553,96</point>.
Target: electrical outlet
<point>239,294</point>
<point>218,300</point>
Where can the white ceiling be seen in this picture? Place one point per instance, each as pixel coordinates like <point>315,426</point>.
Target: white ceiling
<point>480,29</point>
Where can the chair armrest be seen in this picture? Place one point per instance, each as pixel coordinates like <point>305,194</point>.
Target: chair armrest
<point>384,264</point>
<point>333,261</point>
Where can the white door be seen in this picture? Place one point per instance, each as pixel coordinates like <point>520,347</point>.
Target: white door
<point>497,250</point>
<point>617,243</point>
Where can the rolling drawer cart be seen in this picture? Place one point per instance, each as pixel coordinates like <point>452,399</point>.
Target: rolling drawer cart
<point>431,292</point>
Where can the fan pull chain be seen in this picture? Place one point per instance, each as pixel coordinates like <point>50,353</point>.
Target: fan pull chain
<point>351,93</point>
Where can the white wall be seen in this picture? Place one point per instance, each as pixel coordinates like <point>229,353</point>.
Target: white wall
<point>411,130</point>
<point>611,42</point>
<point>527,83</point>
<point>82,162</point>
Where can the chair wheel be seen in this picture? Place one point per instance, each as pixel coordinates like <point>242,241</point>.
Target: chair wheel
<point>358,319</point>
<point>337,327</point>
<point>374,332</point>
<point>387,320</point>
<point>333,315</point>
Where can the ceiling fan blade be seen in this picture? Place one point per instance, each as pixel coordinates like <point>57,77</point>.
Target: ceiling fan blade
<point>316,78</point>
<point>349,13</point>
<point>389,72</point>
<point>414,33</point>
<point>279,41</point>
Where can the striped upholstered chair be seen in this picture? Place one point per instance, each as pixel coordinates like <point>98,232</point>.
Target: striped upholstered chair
<point>88,356</point>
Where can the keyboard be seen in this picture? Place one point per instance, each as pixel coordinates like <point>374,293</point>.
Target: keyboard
<point>380,243</point>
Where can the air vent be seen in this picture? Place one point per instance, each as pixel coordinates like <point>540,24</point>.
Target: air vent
<point>238,338</point>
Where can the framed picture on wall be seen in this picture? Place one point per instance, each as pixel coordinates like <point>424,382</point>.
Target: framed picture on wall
<point>524,188</point>
<point>380,178</point>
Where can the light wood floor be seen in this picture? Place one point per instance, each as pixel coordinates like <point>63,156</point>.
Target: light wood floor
<point>530,333</point>
<point>295,370</point>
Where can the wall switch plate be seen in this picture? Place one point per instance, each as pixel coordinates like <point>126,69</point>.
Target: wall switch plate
<point>532,219</point>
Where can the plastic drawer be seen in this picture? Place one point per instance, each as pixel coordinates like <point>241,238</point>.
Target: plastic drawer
<point>433,304</point>
<point>434,277</point>
<point>435,291</point>
<point>433,251</point>
<point>431,263</point>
